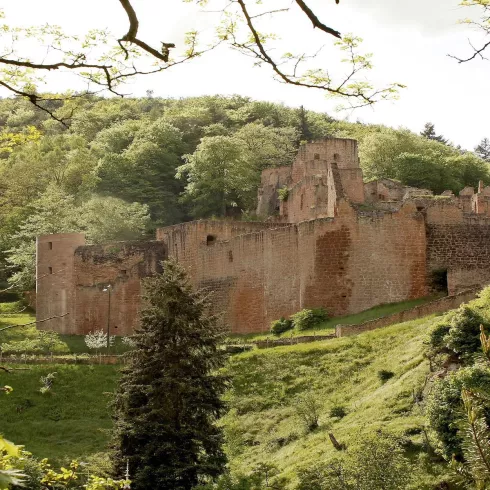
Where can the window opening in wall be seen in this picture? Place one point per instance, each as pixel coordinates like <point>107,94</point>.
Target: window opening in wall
<point>50,245</point>
<point>230,256</point>
<point>336,156</point>
<point>210,240</point>
<point>317,156</point>
<point>124,272</point>
<point>50,270</point>
<point>301,202</point>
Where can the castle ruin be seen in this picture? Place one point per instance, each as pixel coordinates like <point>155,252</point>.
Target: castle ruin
<point>327,240</point>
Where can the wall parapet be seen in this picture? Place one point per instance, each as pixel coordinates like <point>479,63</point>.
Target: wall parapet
<point>437,306</point>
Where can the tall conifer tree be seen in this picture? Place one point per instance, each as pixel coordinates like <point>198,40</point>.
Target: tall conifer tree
<point>168,399</point>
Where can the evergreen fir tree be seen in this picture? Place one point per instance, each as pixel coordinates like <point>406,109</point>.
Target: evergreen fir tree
<point>483,149</point>
<point>429,132</point>
<point>168,398</point>
<point>304,128</point>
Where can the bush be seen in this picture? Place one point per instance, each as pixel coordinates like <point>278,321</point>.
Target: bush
<point>384,375</point>
<point>444,405</point>
<point>463,336</point>
<point>280,326</point>
<point>338,412</point>
<point>307,318</point>
<point>437,334</point>
<point>308,409</point>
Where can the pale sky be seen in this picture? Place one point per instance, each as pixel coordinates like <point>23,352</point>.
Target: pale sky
<point>410,41</point>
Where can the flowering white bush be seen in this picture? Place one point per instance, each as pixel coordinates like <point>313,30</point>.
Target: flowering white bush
<point>129,341</point>
<point>98,340</point>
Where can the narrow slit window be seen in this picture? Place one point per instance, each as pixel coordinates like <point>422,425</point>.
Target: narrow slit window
<point>50,245</point>
<point>210,240</point>
<point>50,270</point>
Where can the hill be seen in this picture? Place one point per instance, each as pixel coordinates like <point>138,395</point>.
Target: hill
<point>373,379</point>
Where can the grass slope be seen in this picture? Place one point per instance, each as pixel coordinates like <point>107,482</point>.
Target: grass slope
<point>263,425</point>
<point>71,422</point>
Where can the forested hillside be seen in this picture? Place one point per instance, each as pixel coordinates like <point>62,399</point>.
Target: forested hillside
<point>122,167</point>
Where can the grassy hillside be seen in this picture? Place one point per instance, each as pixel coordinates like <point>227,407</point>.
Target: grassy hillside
<point>70,422</point>
<point>263,424</point>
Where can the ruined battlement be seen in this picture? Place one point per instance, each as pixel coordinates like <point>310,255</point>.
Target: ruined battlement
<point>327,239</point>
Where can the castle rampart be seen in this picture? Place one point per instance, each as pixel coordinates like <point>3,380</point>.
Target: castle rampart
<point>331,242</point>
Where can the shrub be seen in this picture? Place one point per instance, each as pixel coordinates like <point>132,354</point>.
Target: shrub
<point>308,408</point>
<point>437,334</point>
<point>338,412</point>
<point>280,326</point>
<point>384,375</point>
<point>283,194</point>
<point>307,318</point>
<point>444,405</point>
<point>463,336</point>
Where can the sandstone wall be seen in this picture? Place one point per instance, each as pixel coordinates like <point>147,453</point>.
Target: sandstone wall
<point>121,265</point>
<point>346,264</point>
<point>272,179</point>
<point>459,244</point>
<point>356,261</point>
<point>55,290</point>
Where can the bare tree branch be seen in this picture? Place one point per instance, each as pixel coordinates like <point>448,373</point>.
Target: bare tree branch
<point>33,323</point>
<point>316,21</point>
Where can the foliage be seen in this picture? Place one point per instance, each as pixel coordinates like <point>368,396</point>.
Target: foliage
<point>280,326</point>
<point>429,132</point>
<point>443,407</point>
<point>476,442</point>
<point>306,318</point>
<point>224,171</point>
<point>44,341</point>
<point>464,332</point>
<point>18,469</point>
<point>437,334</point>
<point>338,412</point>
<point>263,476</point>
<point>283,193</point>
<point>171,373</point>
<point>10,473</point>
<point>483,149</point>
<point>308,408</point>
<point>47,383</point>
<point>418,161</point>
<point>385,375</point>
<point>98,340</point>
<point>377,461</point>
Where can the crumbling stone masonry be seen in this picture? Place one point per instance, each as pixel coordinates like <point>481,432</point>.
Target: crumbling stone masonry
<point>331,241</point>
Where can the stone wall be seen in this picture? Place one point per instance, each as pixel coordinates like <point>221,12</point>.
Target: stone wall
<point>438,306</point>
<point>121,266</point>
<point>345,264</point>
<point>55,289</point>
<point>459,244</point>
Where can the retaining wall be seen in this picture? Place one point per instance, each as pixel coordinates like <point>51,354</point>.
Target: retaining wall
<point>438,306</point>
